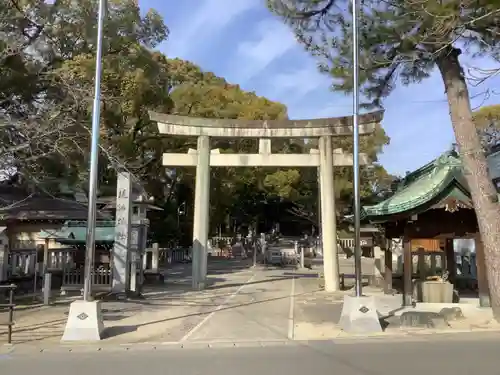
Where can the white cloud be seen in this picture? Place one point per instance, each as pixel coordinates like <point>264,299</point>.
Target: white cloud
<point>210,18</point>
<point>273,40</point>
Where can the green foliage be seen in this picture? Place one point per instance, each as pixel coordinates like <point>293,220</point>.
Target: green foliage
<point>487,120</point>
<point>399,40</point>
<point>284,183</point>
<point>487,116</point>
<point>48,64</point>
<point>46,95</point>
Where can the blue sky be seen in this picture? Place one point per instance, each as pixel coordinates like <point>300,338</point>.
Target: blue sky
<point>243,42</point>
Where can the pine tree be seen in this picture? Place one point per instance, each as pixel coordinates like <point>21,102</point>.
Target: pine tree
<point>405,41</point>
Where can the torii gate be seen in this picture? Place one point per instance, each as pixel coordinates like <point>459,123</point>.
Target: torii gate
<point>203,158</point>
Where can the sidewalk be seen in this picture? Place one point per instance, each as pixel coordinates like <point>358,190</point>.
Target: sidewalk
<point>317,315</point>
<point>167,313</point>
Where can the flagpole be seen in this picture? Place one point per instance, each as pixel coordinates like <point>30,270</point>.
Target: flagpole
<point>355,141</point>
<point>94,155</point>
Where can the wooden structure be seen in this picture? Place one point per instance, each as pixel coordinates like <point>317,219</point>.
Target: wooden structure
<point>27,214</point>
<point>66,263</point>
<point>430,208</point>
<point>27,221</point>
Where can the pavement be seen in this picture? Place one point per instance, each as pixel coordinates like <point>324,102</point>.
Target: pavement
<point>459,355</point>
<point>241,304</point>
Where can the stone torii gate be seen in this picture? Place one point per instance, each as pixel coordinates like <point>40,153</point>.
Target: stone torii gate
<point>203,158</point>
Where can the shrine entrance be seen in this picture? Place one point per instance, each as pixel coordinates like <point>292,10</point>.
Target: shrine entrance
<point>325,158</point>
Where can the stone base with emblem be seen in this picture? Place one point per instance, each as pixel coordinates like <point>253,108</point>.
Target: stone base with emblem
<point>359,315</point>
<point>85,322</point>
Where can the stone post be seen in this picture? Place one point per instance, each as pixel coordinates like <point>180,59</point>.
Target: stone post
<point>482,280</point>
<point>47,286</point>
<point>4,261</point>
<point>378,266</point>
<point>121,253</point>
<point>201,212</point>
<point>137,251</point>
<point>133,256</point>
<point>328,224</point>
<point>155,258</point>
<point>407,273</point>
<point>388,267</point>
<point>46,254</point>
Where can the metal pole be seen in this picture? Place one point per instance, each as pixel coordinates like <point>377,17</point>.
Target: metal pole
<point>94,154</point>
<point>355,141</point>
<point>318,238</point>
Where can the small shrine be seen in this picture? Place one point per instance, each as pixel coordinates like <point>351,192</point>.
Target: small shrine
<point>430,208</point>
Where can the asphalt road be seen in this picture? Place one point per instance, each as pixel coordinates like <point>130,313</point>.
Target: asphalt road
<point>459,355</point>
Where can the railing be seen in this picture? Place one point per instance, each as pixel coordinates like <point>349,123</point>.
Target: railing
<point>221,241</point>
<point>168,257</point>
<point>74,278</point>
<point>424,263</point>
<point>342,245</point>
<point>156,257</point>
<point>346,243</point>
<point>59,259</point>
<point>22,262</point>
<point>10,307</point>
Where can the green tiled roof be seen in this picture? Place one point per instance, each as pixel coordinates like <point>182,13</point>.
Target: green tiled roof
<point>104,232</point>
<point>101,234</point>
<point>428,185</point>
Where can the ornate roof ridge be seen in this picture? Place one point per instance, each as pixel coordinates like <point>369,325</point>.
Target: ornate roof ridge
<point>447,159</point>
<point>427,182</point>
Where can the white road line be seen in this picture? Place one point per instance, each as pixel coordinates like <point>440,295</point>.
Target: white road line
<point>221,306</point>
<point>291,311</point>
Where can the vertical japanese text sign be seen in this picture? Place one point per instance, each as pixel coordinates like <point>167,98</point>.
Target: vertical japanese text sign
<point>122,232</point>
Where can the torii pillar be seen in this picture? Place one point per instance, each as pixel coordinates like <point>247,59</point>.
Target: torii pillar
<point>201,212</point>
<point>326,158</point>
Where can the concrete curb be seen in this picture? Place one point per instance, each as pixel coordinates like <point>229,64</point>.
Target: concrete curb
<point>403,333</point>
<point>341,338</point>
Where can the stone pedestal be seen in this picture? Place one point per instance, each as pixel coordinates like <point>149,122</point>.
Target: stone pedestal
<point>359,315</point>
<point>85,322</point>
<point>436,292</point>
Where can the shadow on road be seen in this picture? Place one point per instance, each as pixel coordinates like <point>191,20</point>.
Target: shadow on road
<point>158,297</point>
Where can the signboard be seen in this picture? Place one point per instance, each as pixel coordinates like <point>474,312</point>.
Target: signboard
<point>122,232</point>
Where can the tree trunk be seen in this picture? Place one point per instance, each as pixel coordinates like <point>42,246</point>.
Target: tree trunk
<point>483,193</point>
